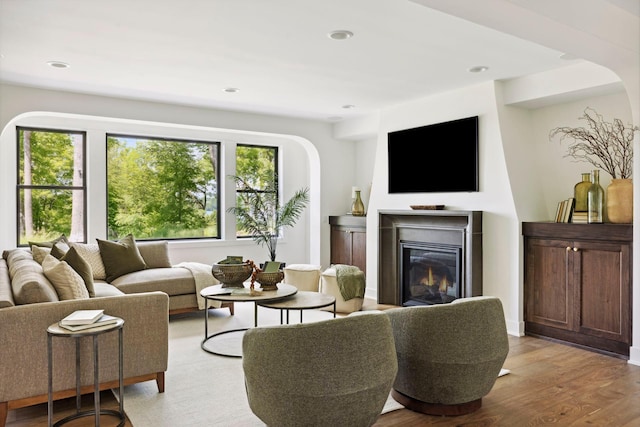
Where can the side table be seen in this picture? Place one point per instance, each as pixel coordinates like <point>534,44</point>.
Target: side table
<point>55,330</point>
<point>302,300</point>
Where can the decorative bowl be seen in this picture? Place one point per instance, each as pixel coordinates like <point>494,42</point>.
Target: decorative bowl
<point>232,275</point>
<point>269,281</point>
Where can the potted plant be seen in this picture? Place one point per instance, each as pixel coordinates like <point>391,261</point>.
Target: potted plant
<point>607,146</point>
<point>259,212</point>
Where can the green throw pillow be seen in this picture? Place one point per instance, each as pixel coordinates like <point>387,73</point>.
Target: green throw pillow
<point>82,267</point>
<point>120,257</point>
<point>50,243</point>
<point>59,249</point>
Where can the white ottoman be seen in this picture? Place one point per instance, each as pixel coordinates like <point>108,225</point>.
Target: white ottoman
<point>305,277</point>
<point>329,285</point>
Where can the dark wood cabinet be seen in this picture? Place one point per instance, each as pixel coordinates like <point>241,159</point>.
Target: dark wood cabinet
<point>349,240</point>
<point>577,283</point>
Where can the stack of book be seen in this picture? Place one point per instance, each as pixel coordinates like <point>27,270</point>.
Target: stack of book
<point>565,210</point>
<point>80,320</point>
<point>579,217</point>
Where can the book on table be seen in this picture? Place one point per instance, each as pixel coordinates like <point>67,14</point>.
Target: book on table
<point>82,317</point>
<point>104,320</point>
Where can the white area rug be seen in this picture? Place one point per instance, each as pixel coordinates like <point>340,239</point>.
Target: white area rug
<point>202,388</point>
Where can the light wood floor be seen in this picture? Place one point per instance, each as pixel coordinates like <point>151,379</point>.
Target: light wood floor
<point>549,383</point>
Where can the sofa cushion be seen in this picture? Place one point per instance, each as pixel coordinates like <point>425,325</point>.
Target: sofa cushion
<point>120,257</point>
<point>172,281</point>
<point>91,253</point>
<point>68,283</point>
<point>28,282</point>
<point>82,267</point>
<point>104,289</point>
<point>6,295</point>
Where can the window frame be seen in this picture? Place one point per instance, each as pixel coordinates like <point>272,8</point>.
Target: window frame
<point>20,187</point>
<point>276,172</point>
<point>219,159</point>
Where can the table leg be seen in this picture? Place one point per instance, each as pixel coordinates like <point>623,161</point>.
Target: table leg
<point>78,395</point>
<point>334,309</point>
<point>121,372</point>
<point>50,382</point>
<point>96,381</point>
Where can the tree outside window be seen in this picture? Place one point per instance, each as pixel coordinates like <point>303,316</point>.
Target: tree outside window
<point>257,167</point>
<point>162,188</point>
<point>51,185</point>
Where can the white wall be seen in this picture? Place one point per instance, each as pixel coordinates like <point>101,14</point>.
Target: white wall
<point>312,157</point>
<point>522,176</point>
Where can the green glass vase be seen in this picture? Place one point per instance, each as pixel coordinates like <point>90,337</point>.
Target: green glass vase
<point>580,191</point>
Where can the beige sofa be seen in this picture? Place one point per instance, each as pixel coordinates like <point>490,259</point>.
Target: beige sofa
<point>29,303</point>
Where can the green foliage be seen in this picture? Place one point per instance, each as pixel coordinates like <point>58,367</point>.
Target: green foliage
<point>50,156</point>
<point>161,189</point>
<point>259,212</point>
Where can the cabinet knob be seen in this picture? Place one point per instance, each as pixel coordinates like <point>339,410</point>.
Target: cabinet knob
<point>575,249</point>
<point>568,248</point>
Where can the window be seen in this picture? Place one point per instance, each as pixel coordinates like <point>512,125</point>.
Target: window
<point>257,166</point>
<point>51,186</point>
<point>162,188</point>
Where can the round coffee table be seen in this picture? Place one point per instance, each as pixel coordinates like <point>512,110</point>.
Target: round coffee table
<point>302,300</point>
<point>218,293</point>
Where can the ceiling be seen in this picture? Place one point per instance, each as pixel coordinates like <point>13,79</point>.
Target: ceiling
<point>277,53</point>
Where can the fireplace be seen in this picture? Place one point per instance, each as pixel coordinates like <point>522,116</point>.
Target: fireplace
<point>430,274</point>
<point>429,257</point>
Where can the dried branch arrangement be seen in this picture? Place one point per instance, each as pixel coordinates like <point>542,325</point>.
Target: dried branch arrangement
<point>607,146</point>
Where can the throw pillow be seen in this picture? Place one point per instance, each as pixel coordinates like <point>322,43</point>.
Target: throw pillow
<point>65,280</point>
<point>120,257</point>
<point>82,267</point>
<point>59,249</point>
<point>50,243</point>
<point>91,253</point>
<point>39,253</point>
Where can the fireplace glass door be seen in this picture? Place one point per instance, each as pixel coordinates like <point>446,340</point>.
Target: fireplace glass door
<point>430,273</point>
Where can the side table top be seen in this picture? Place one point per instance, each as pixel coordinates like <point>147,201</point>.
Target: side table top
<point>218,293</point>
<point>56,329</point>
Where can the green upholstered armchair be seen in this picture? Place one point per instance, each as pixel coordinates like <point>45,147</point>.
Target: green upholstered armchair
<point>449,355</point>
<point>334,372</point>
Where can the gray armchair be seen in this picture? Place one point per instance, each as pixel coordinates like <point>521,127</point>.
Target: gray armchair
<point>334,372</point>
<point>449,355</point>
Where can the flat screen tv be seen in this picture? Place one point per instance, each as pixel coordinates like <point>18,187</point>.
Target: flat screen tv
<point>437,158</point>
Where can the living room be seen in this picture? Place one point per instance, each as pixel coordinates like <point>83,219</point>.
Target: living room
<point>523,175</point>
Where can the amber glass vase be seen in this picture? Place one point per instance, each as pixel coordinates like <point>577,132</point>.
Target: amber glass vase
<point>357,208</point>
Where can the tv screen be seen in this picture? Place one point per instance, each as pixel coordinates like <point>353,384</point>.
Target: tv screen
<point>437,158</point>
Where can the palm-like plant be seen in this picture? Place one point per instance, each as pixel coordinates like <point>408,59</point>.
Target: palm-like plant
<point>259,213</point>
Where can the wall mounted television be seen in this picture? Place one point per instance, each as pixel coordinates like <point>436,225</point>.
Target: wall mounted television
<point>436,158</point>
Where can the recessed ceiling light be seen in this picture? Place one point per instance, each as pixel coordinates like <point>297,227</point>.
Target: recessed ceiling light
<point>340,35</point>
<point>478,69</point>
<point>348,106</point>
<point>58,64</point>
<point>231,89</point>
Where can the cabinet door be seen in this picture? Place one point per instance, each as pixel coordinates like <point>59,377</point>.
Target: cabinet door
<point>549,288</point>
<point>340,245</point>
<point>604,280</point>
<point>359,249</point>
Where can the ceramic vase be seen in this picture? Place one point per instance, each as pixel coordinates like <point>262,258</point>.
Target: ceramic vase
<point>620,201</point>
